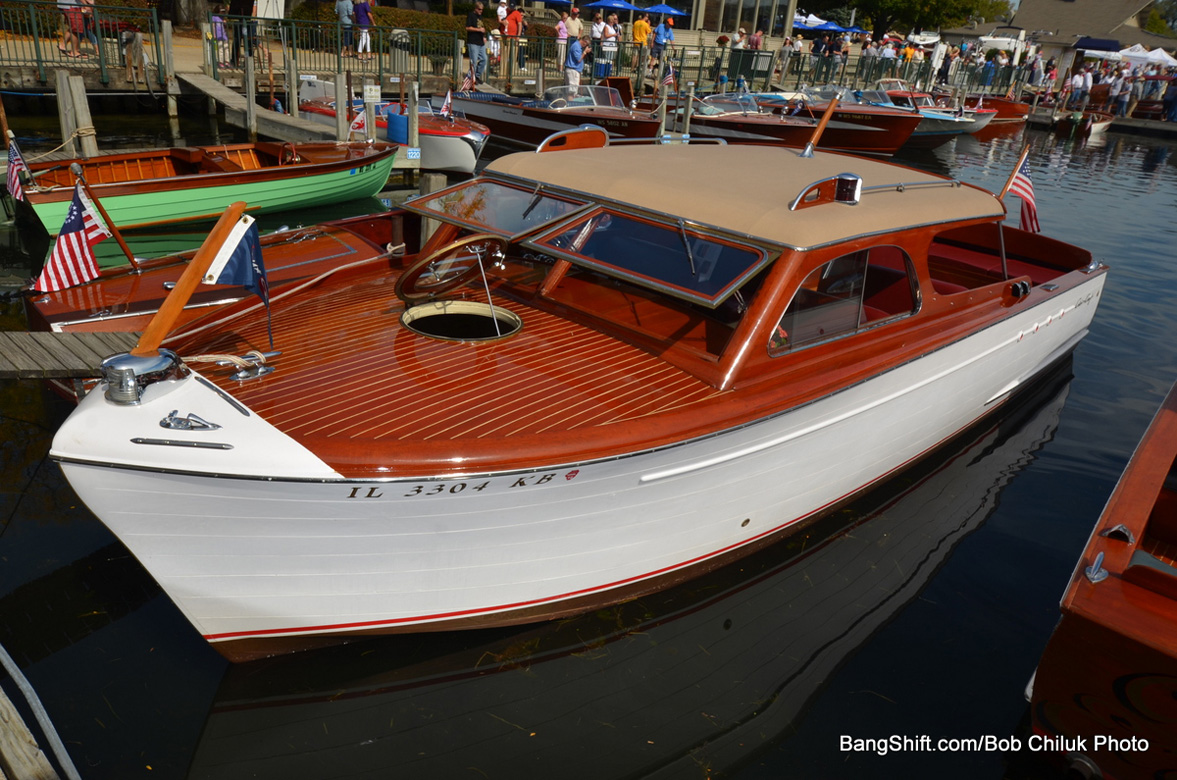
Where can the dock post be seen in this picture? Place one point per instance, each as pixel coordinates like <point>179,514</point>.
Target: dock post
<point>85,125</point>
<point>342,107</point>
<point>250,98</point>
<point>65,113</point>
<point>662,93</point>
<point>414,122</point>
<point>171,86</point>
<point>686,112</point>
<point>206,49</point>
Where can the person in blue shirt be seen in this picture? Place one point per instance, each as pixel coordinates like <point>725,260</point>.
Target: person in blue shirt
<point>574,62</point>
<point>663,37</point>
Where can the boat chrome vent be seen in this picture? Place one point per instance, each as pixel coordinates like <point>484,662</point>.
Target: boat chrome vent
<point>461,321</point>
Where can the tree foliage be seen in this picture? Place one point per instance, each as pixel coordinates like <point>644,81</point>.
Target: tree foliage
<point>906,15</point>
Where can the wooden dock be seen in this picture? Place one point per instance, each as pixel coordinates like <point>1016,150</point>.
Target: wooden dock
<point>59,355</point>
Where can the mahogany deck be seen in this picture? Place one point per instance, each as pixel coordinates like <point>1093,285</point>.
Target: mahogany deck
<point>560,378</point>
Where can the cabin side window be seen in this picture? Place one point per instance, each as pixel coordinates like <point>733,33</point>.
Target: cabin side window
<point>848,294</point>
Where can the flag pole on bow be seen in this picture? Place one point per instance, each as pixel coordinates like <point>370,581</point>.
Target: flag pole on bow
<point>76,170</point>
<point>1013,174</point>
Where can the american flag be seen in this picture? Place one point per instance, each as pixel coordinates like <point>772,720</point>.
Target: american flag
<point>668,79</point>
<point>448,104</point>
<point>468,82</point>
<point>72,260</point>
<point>1021,186</point>
<point>16,164</point>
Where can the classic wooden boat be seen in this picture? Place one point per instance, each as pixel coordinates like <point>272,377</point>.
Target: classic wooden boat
<point>752,645</point>
<point>124,299</point>
<point>935,124</point>
<point>184,184</point>
<point>745,119</point>
<point>526,123</point>
<point>1102,698</point>
<point>1009,110</point>
<point>1081,124</point>
<point>448,142</point>
<point>579,389</point>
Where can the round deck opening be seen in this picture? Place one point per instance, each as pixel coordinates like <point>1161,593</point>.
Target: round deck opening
<point>461,321</point>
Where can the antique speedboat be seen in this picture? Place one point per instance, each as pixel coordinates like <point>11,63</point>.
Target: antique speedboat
<point>753,645</point>
<point>746,119</point>
<point>1081,124</point>
<point>184,184</point>
<point>526,123</point>
<point>1102,699</point>
<point>448,142</point>
<point>579,389</point>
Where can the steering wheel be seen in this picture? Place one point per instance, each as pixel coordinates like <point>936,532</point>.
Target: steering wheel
<point>287,154</point>
<point>447,267</point>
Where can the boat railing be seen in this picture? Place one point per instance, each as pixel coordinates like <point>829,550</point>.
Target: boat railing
<point>35,34</point>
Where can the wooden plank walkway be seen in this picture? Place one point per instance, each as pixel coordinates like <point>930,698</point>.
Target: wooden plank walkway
<point>59,355</point>
<point>269,123</point>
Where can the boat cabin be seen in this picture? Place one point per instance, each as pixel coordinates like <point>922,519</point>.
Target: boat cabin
<point>784,256</point>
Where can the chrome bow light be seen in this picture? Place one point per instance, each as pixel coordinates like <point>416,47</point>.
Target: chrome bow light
<point>126,375</point>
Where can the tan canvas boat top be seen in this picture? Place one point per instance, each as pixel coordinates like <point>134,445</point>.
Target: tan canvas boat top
<point>747,189</point>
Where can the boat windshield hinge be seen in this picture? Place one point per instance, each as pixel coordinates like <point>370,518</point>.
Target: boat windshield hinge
<point>1096,572</point>
<point>1119,532</point>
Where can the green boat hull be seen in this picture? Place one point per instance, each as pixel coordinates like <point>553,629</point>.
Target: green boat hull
<point>205,203</point>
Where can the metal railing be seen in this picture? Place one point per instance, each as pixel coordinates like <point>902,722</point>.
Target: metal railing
<point>34,35</point>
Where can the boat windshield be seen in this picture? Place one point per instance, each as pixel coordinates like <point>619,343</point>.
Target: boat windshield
<point>495,207</point>
<point>581,96</point>
<point>670,258</point>
<point>728,104</point>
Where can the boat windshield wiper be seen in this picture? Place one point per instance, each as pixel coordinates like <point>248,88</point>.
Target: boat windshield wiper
<point>535,199</point>
<point>682,231</point>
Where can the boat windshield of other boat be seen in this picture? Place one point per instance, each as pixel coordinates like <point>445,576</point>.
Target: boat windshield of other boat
<point>578,389</point>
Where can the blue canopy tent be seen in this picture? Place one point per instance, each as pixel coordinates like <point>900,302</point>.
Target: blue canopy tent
<point>666,10</point>
<point>616,5</point>
<point>827,27</point>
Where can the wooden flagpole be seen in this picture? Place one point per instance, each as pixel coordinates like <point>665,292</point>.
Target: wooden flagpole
<point>1017,168</point>
<point>76,170</point>
<point>161,324</point>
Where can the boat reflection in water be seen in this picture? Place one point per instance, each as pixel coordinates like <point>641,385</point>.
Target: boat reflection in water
<point>681,683</point>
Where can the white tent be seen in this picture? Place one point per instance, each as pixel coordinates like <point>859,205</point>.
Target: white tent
<point>1136,54</point>
<point>1162,57</point>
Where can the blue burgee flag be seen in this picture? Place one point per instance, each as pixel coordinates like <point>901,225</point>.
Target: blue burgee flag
<point>239,262</point>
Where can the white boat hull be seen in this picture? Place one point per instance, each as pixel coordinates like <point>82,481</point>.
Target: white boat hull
<point>251,547</point>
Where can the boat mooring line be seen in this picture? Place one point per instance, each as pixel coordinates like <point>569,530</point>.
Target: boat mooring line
<point>40,714</point>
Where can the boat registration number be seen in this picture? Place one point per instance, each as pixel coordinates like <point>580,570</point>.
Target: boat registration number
<point>449,488</point>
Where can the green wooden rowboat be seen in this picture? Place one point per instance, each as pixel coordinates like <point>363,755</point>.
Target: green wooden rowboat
<point>184,184</point>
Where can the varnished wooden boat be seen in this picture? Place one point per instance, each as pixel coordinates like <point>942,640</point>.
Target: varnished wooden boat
<point>1081,124</point>
<point>125,299</point>
<point>1102,699</point>
<point>658,383</point>
<point>752,645</point>
<point>756,119</point>
<point>526,123</point>
<point>183,184</point>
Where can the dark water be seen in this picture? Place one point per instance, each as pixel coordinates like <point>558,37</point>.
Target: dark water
<point>920,610</point>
